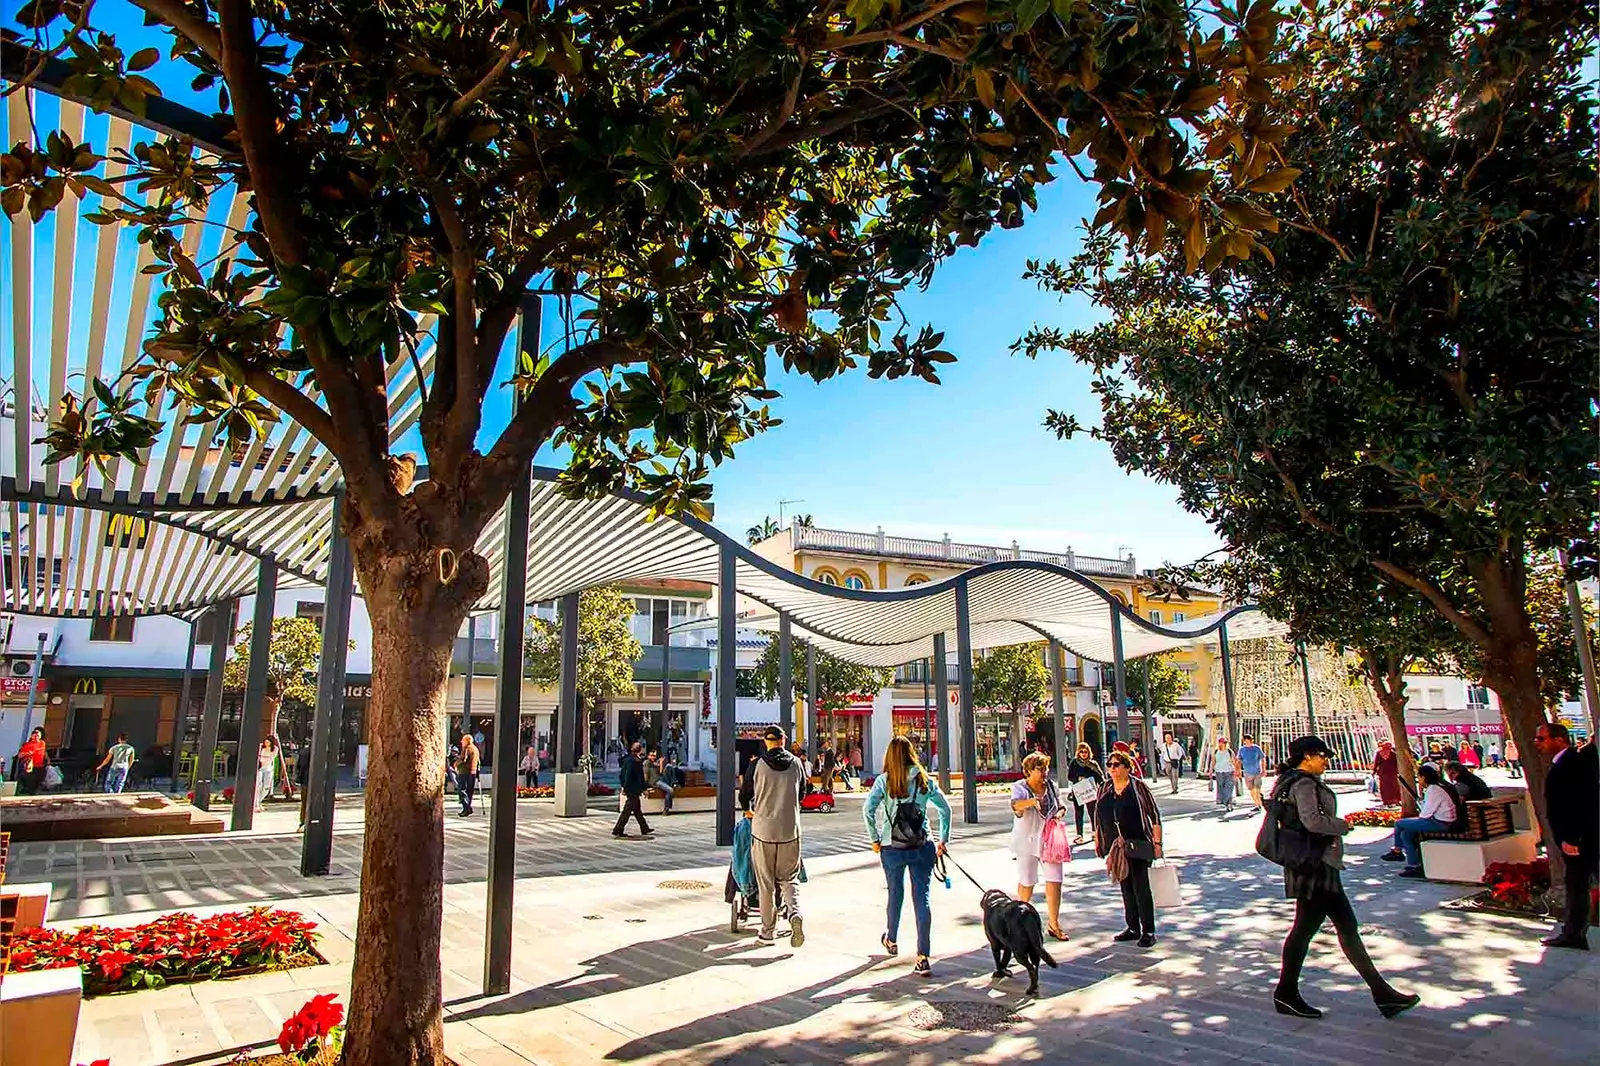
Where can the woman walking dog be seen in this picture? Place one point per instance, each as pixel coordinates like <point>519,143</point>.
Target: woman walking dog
<point>896,813</point>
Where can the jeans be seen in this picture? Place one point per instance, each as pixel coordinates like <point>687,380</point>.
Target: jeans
<point>1406,831</point>
<point>116,778</point>
<point>1309,914</point>
<point>919,861</point>
<point>466,785</point>
<point>1225,783</point>
<point>1138,905</point>
<point>530,778</point>
<point>1078,811</point>
<point>666,795</point>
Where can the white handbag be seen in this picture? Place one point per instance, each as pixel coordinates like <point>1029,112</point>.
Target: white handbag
<point>1085,791</point>
<point>1164,887</point>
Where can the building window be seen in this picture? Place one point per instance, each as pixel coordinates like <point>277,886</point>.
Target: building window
<point>1155,616</point>
<point>855,582</point>
<point>916,579</point>
<point>826,576</point>
<point>114,627</point>
<point>205,630</point>
<point>1179,616</point>
<point>312,609</point>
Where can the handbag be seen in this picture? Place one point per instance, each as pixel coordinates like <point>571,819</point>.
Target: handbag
<point>1085,791</point>
<point>1164,885</point>
<point>1283,839</point>
<point>1055,845</point>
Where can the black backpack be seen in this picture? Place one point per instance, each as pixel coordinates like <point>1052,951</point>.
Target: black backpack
<point>1283,838</point>
<point>1460,823</point>
<point>909,829</point>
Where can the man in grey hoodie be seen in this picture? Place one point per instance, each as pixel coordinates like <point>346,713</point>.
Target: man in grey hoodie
<point>770,796</point>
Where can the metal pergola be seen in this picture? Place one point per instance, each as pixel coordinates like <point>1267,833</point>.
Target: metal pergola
<point>193,525</point>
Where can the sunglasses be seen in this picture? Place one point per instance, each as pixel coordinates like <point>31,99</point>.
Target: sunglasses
<point>1117,762</point>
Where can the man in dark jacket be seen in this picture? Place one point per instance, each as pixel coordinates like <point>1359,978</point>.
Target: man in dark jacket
<point>770,796</point>
<point>1469,786</point>
<point>633,786</point>
<point>1572,802</point>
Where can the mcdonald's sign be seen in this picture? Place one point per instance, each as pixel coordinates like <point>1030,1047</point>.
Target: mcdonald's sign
<point>86,686</point>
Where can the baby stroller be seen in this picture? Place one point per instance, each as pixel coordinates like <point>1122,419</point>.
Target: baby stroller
<point>741,891</point>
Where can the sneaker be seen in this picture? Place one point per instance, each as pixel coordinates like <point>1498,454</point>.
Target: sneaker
<point>923,968</point>
<point>1393,855</point>
<point>1148,940</point>
<point>797,933</point>
<point>1414,871</point>
<point>1126,935</point>
<point>765,940</point>
<point>889,945</point>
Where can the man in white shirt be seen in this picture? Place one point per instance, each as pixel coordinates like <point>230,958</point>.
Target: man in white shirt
<point>1173,754</point>
<point>119,760</point>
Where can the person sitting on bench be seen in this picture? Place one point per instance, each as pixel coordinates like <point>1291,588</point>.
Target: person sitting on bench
<point>1469,786</point>
<point>1438,815</point>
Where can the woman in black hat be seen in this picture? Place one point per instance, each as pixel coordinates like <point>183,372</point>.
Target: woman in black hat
<point>1309,806</point>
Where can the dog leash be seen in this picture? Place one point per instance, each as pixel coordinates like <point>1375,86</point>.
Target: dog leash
<point>945,876</point>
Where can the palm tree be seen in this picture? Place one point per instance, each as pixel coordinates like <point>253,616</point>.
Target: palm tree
<point>803,520</point>
<point>758,533</point>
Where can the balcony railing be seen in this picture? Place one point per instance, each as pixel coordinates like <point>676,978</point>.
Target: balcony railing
<point>947,550</point>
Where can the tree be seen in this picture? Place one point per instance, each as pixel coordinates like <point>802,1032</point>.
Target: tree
<point>1013,677</point>
<point>1167,682</point>
<point>704,187</point>
<point>761,531</point>
<point>607,649</point>
<point>1402,392</point>
<point>838,680</point>
<point>293,655</point>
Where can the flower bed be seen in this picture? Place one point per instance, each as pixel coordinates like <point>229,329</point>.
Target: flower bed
<point>226,796</point>
<point>1381,818</point>
<point>549,791</point>
<point>173,948</point>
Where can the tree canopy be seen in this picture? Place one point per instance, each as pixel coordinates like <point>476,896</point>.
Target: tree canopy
<point>838,681</point>
<point>607,648</point>
<point>1167,682</point>
<point>1013,677</point>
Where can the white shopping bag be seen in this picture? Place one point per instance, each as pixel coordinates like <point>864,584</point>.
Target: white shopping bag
<point>1164,885</point>
<point>1084,791</point>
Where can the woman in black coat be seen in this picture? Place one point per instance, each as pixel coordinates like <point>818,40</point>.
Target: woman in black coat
<point>1084,768</point>
<point>1311,807</point>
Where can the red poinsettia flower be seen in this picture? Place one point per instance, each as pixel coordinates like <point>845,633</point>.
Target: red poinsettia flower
<point>112,963</point>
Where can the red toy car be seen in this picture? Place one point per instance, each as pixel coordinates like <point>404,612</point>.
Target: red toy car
<point>817,801</point>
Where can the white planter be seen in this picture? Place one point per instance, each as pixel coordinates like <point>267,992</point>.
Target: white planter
<point>572,795</point>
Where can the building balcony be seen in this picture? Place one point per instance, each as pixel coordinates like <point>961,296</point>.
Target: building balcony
<point>952,552</point>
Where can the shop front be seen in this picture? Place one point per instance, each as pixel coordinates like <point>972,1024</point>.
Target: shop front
<point>921,727</point>
<point>845,729</point>
<point>998,734</point>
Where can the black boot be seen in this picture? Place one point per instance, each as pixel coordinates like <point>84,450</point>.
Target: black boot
<point>1289,1002</point>
<point>1391,1001</point>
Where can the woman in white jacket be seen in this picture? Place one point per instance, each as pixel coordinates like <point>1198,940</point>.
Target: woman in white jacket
<point>1035,800</point>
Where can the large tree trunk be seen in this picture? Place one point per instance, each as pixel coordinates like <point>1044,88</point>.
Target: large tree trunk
<point>1386,674</point>
<point>270,707</point>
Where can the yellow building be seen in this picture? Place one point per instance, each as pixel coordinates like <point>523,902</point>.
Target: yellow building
<point>878,560</point>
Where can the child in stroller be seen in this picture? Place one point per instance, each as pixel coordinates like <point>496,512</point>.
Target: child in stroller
<point>740,891</point>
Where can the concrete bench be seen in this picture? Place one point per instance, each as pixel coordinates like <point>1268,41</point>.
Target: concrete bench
<point>43,1004</point>
<point>685,800</point>
<point>1466,861</point>
<point>27,901</point>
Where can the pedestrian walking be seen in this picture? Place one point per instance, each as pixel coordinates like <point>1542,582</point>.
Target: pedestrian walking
<point>770,796</point>
<point>468,760</point>
<point>1437,815</point>
<point>1572,803</point>
<point>830,762</point>
<point>896,813</point>
<point>1035,802</point>
<point>1174,754</point>
<point>1128,837</point>
<point>117,763</point>
<point>1386,768</point>
<point>1084,778</point>
<point>530,767</point>
<point>1309,807</point>
<point>1513,759</point>
<point>633,786</point>
<point>266,764</point>
<point>1224,774</point>
<point>33,760</point>
<point>1252,765</point>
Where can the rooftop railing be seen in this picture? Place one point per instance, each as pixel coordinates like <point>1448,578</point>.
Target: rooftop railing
<point>951,551</point>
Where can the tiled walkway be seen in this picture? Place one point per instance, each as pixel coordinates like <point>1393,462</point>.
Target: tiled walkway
<point>610,966</point>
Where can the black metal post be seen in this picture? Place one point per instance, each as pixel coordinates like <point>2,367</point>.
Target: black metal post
<point>811,700</point>
<point>1227,686</point>
<point>1149,726</point>
<point>969,721</point>
<point>211,715</point>
<point>181,719</point>
<point>316,847</point>
<point>508,718</point>
<point>567,710</point>
<point>1063,757</point>
<point>941,700</point>
<point>666,685</point>
<point>255,697</point>
<point>466,687</point>
<point>1119,675</point>
<point>785,676</point>
<point>927,708</point>
<point>727,664</point>
<point>1305,679</point>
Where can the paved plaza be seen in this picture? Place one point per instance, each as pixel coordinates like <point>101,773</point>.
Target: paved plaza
<point>623,954</point>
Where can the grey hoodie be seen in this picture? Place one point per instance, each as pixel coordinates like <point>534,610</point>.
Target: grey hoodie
<point>771,790</point>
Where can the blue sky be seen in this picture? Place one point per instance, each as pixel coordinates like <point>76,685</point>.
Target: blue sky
<point>970,457</point>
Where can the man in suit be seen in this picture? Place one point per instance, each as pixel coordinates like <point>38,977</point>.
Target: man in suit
<point>1572,802</point>
<point>633,786</point>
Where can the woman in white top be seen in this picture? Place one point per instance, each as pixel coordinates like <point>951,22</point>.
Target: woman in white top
<point>1225,773</point>
<point>1437,815</point>
<point>266,762</point>
<point>1034,799</point>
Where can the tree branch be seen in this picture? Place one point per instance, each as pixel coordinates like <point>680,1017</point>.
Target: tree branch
<point>785,113</point>
<point>880,105</point>
<point>187,20</point>
<point>499,313</point>
<point>294,403</point>
<point>465,406</point>
<point>485,83</point>
<point>255,114</point>
<point>1434,595</point>
<point>875,36</point>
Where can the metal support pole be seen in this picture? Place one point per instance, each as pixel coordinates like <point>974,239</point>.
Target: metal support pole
<point>255,697</point>
<point>785,676</point>
<point>1058,694</point>
<point>727,663</point>
<point>33,687</point>
<point>941,698</point>
<point>1580,635</point>
<point>666,686</point>
<point>567,710</point>
<point>969,724</point>
<point>811,700</point>
<point>211,715</point>
<point>1227,686</point>
<point>466,682</point>
<point>181,719</point>
<point>1149,726</point>
<point>927,709</point>
<point>1305,679</point>
<point>508,717</point>
<point>1119,674</point>
<point>316,848</point>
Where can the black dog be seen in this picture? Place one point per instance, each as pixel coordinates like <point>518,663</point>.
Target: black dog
<point>1014,931</point>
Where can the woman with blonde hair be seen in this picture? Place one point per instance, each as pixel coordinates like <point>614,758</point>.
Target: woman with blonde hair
<point>896,813</point>
<point>1035,801</point>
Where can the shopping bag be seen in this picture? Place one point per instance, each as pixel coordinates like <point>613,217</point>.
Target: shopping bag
<point>52,777</point>
<point>1055,844</point>
<point>1164,885</point>
<point>1085,791</point>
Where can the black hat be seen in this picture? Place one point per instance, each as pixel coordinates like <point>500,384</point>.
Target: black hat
<point>774,733</point>
<point>1303,746</point>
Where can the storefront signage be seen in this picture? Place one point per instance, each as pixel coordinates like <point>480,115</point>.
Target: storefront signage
<point>86,686</point>
<point>19,685</point>
<point>1447,729</point>
<point>358,692</point>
